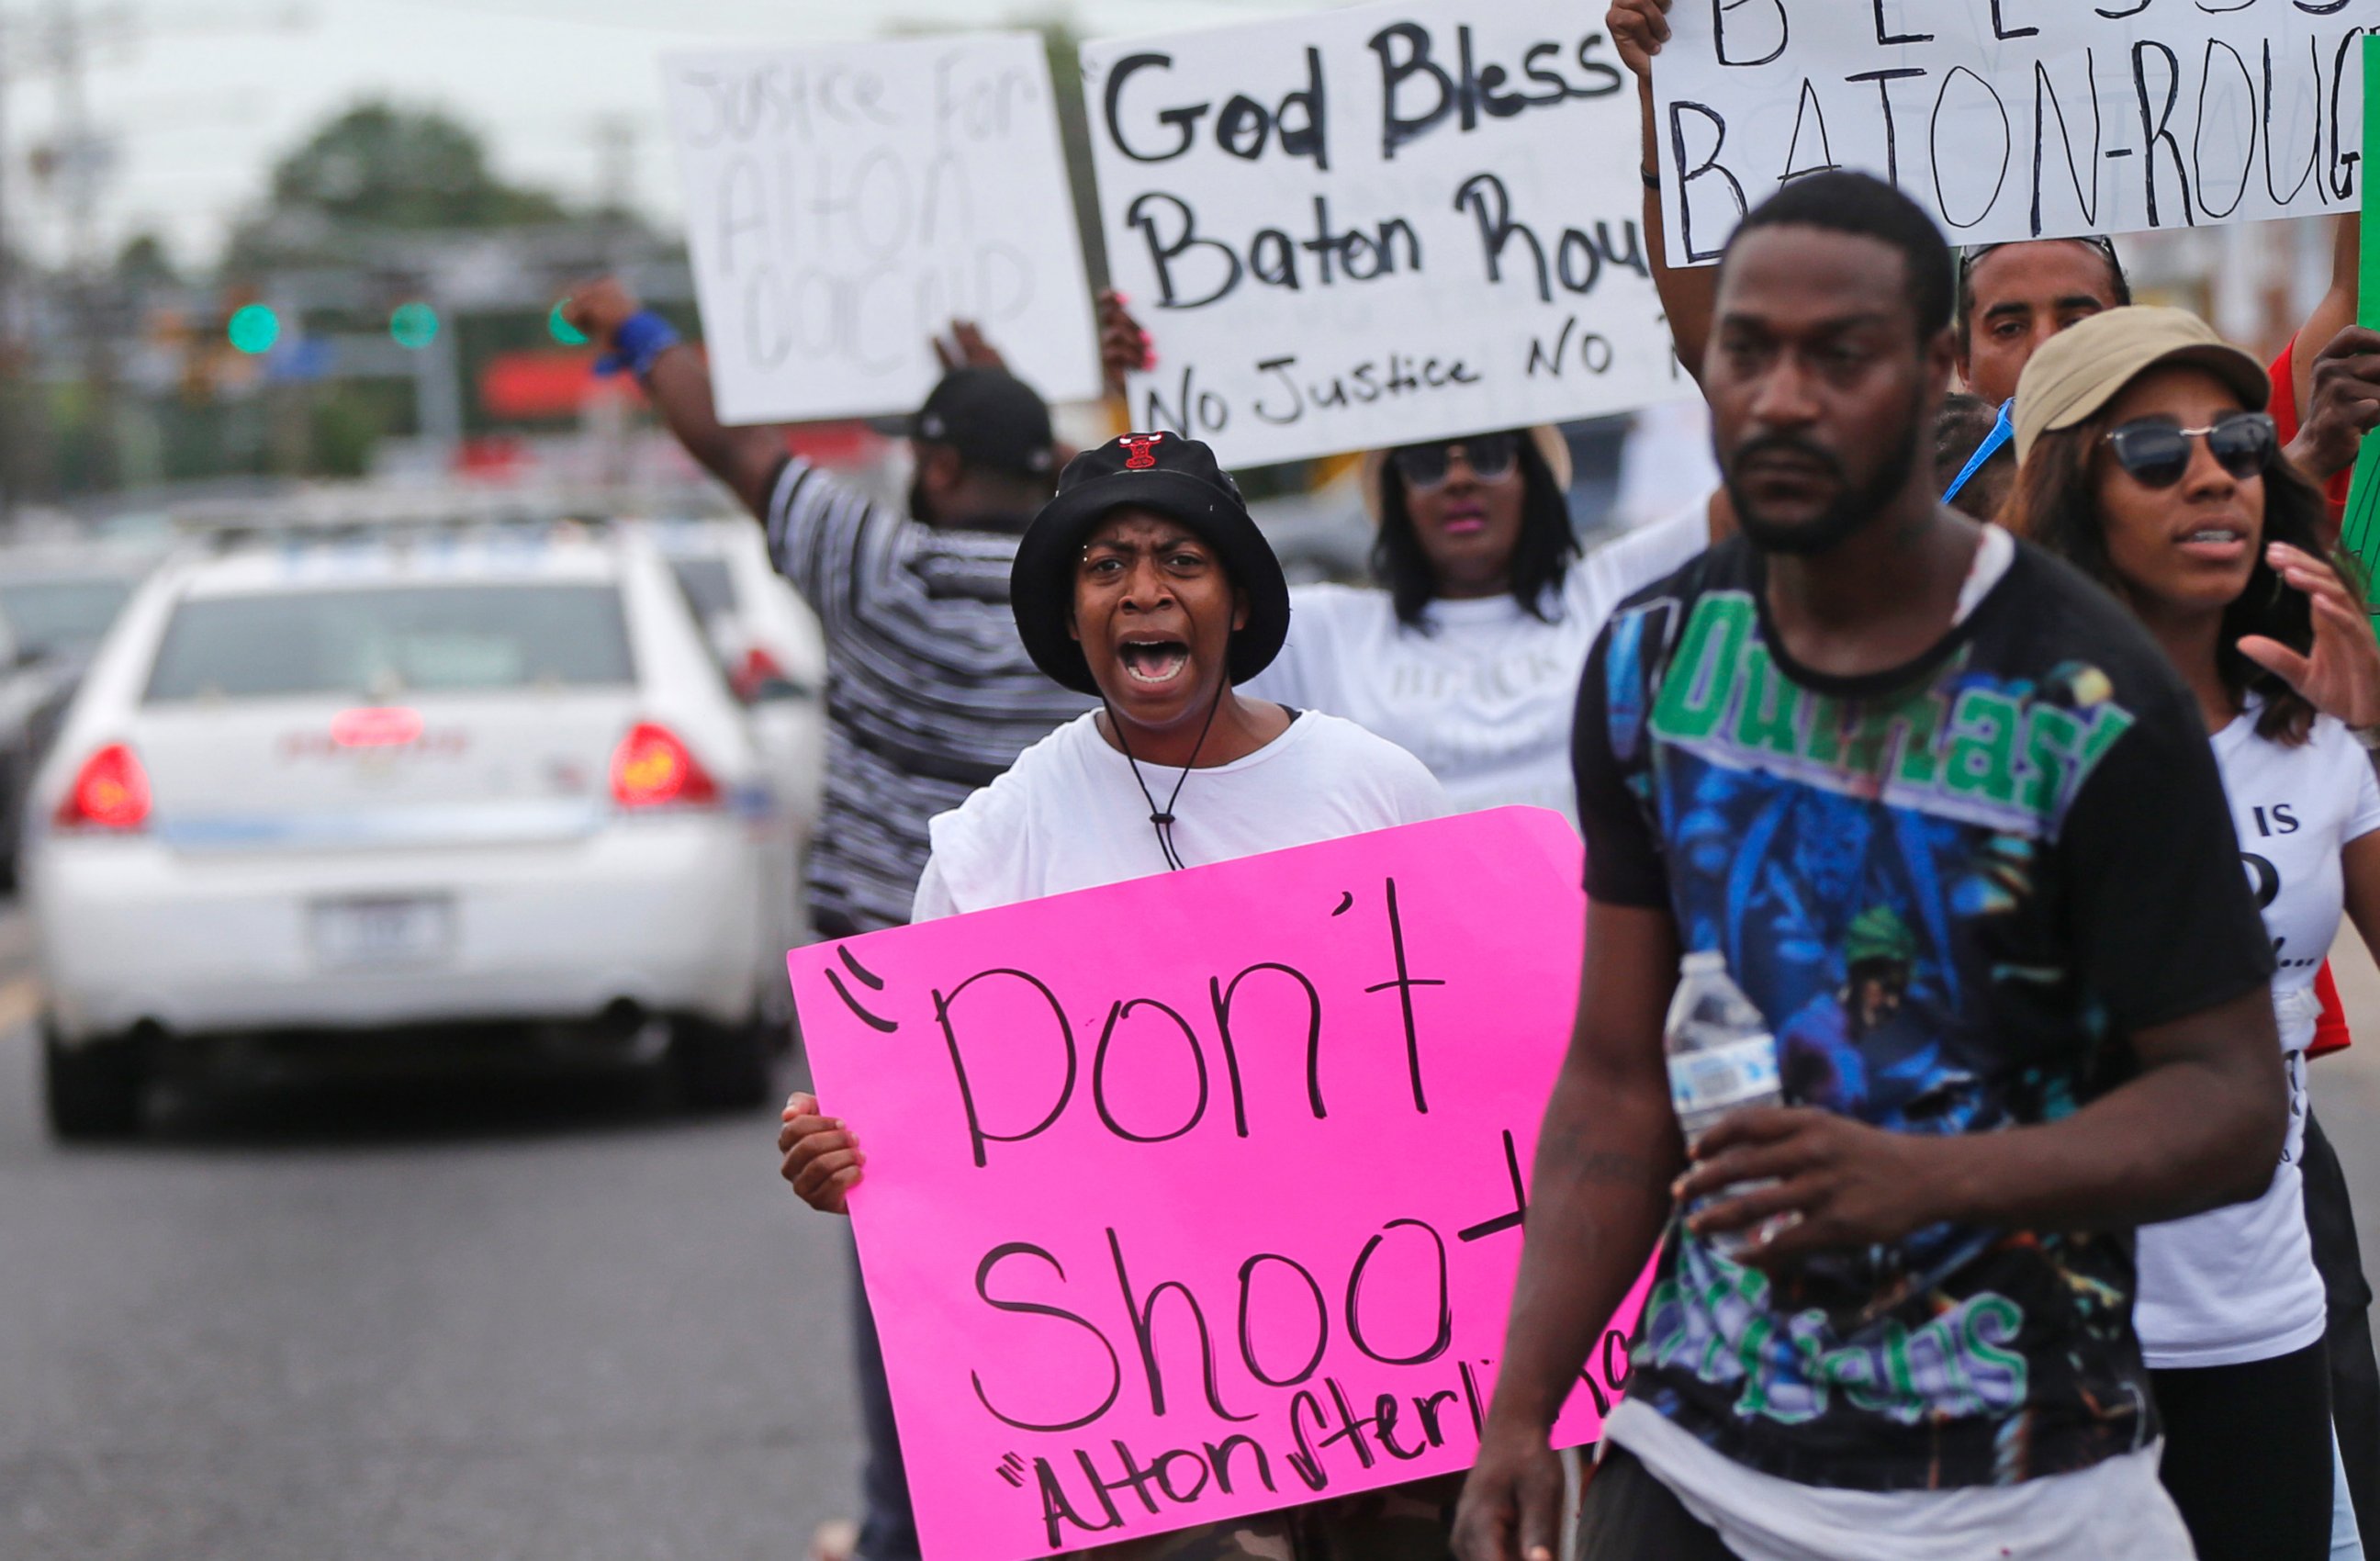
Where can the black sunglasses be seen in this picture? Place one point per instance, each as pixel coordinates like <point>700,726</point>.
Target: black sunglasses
<point>1974,254</point>
<point>1490,456</point>
<point>2157,454</point>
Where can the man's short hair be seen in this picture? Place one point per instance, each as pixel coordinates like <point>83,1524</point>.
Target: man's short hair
<point>2119,287</point>
<point>993,419</point>
<point>1960,430</point>
<point>1864,205</point>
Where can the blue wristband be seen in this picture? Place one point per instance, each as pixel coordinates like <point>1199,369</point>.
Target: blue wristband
<point>641,338</point>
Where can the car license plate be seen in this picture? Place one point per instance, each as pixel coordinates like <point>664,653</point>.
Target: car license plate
<point>368,934</point>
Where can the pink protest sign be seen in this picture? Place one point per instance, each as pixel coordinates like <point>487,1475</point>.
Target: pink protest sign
<point>1200,1195</point>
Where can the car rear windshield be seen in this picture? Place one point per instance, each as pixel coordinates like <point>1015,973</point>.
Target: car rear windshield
<point>48,617</point>
<point>708,585</point>
<point>381,643</point>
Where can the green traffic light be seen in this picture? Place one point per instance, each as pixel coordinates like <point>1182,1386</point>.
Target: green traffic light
<point>558,325</point>
<point>252,329</point>
<point>413,325</point>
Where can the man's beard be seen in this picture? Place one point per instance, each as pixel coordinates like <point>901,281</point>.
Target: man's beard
<point>1852,508</point>
<point>921,508</point>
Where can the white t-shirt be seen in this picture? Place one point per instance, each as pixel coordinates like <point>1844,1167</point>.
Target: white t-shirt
<point>1485,698</point>
<point>2115,1510</point>
<point>1071,815</point>
<point>2238,1284</point>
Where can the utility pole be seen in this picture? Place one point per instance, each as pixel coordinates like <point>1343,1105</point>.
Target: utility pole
<point>615,167</point>
<point>78,156</point>
<point>77,160</point>
<point>438,390</point>
<point>606,418</point>
<point>11,384</point>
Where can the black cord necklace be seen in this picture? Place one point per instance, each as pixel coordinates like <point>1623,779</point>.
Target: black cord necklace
<point>1161,818</point>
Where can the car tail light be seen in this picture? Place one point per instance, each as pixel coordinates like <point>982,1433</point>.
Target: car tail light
<point>652,769</point>
<point>759,671</point>
<point>374,727</point>
<point>111,791</point>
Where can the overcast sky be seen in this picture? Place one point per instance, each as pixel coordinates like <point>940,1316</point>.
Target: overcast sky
<point>201,95</point>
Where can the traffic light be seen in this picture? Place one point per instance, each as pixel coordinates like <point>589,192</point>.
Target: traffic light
<point>413,325</point>
<point>253,329</point>
<point>558,326</point>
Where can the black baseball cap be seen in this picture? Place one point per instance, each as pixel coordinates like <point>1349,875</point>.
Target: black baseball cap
<point>1167,475</point>
<point>992,419</point>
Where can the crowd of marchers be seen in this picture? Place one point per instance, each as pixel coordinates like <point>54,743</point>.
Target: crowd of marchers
<point>2042,1078</point>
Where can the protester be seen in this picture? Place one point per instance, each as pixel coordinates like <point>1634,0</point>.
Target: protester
<point>2012,298</point>
<point>930,693</point>
<point>1147,583</point>
<point>2151,463</point>
<point>1866,711</point>
<point>2342,384</point>
<point>1469,658</point>
<point>2339,384</point>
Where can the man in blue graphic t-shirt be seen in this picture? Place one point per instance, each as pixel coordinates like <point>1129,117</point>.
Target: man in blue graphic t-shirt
<point>1951,821</point>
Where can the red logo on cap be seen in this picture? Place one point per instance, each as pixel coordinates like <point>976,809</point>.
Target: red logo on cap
<point>1143,451</point>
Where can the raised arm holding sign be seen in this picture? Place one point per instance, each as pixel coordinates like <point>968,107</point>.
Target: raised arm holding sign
<point>2360,532</point>
<point>2331,388</point>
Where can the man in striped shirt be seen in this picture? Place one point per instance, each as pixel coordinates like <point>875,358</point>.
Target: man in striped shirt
<point>930,695</point>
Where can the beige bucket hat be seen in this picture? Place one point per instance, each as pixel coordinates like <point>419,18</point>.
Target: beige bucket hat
<point>2079,370</point>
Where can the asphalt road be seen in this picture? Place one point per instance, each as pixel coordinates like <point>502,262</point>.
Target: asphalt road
<point>500,1322</point>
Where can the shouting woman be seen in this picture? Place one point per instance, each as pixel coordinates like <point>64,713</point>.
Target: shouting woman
<point>1145,585</point>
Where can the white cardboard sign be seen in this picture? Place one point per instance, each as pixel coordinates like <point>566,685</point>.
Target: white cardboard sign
<point>845,203</point>
<point>1380,224</point>
<point>2012,119</point>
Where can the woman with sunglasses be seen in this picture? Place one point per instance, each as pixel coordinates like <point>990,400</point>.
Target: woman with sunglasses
<point>2147,459</point>
<point>1470,657</point>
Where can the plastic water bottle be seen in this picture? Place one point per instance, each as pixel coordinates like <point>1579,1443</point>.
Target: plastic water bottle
<point>1722,1059</point>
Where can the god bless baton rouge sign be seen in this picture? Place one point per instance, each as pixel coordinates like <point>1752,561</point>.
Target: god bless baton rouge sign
<point>2015,119</point>
<point>1380,224</point>
<point>1200,1195</point>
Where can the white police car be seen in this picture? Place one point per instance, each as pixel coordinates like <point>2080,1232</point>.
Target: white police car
<point>769,642</point>
<point>432,781</point>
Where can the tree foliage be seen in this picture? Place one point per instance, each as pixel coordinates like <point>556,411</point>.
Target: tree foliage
<point>382,164</point>
<point>376,167</point>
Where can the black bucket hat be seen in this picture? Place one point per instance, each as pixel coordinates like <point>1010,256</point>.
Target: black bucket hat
<point>1167,475</point>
